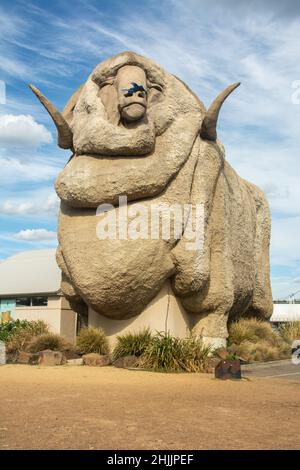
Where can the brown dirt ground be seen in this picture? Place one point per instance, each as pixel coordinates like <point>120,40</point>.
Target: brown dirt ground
<point>107,408</point>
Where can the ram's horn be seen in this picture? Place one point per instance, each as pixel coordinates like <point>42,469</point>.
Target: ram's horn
<point>65,136</point>
<point>209,124</point>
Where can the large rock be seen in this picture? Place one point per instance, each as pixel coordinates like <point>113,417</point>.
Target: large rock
<point>51,358</point>
<point>158,146</point>
<point>96,360</point>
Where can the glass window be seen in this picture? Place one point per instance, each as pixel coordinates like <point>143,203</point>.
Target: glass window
<point>39,301</point>
<point>23,302</point>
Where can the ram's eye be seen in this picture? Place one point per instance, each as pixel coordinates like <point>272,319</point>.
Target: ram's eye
<point>156,86</point>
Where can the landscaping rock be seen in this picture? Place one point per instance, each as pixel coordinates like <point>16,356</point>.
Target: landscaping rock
<point>27,358</point>
<point>94,359</point>
<point>126,362</point>
<point>228,370</point>
<point>75,362</point>
<point>51,358</point>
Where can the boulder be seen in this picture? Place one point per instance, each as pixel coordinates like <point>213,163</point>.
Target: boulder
<point>228,370</point>
<point>27,358</point>
<point>126,362</point>
<point>51,358</point>
<point>96,360</point>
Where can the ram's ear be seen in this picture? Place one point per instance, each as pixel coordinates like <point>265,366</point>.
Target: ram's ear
<point>69,108</point>
<point>209,125</point>
<point>65,135</point>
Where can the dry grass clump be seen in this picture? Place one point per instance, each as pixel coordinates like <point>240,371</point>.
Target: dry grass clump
<point>92,340</point>
<point>12,328</point>
<point>255,340</point>
<point>45,341</point>
<point>19,342</point>
<point>249,329</point>
<point>290,331</point>
<point>262,351</point>
<point>23,336</point>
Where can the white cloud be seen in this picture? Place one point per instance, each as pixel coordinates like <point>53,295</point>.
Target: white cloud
<point>21,130</point>
<point>37,234</point>
<point>40,203</point>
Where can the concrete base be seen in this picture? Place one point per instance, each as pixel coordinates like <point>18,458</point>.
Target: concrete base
<point>163,313</point>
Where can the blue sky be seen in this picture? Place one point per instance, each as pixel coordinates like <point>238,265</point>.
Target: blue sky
<point>55,45</point>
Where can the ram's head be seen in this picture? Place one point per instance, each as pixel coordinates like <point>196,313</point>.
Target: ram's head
<point>139,121</point>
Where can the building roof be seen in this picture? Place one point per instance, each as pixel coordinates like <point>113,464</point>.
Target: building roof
<point>30,272</point>
<point>286,313</point>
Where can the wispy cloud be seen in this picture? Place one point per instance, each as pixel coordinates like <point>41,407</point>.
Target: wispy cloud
<point>38,203</point>
<point>37,170</point>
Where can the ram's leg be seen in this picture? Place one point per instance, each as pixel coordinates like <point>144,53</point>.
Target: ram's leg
<point>210,307</point>
<point>211,323</point>
<point>193,265</point>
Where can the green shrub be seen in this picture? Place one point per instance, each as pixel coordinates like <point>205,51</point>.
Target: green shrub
<point>92,340</point>
<point>22,333</point>
<point>132,344</point>
<point>171,354</point>
<point>51,341</point>
<point>255,340</point>
<point>12,328</point>
<point>37,327</point>
<point>290,331</point>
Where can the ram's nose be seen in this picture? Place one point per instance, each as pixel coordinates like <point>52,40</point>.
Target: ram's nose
<point>132,103</point>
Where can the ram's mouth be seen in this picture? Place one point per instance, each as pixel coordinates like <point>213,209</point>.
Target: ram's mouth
<point>133,111</point>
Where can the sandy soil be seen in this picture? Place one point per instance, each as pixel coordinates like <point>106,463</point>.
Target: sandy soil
<point>106,408</point>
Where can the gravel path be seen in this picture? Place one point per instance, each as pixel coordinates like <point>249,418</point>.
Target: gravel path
<point>76,407</point>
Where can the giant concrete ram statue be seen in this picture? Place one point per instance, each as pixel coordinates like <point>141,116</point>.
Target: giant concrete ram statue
<point>135,130</point>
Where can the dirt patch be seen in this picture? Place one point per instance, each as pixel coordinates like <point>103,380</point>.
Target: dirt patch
<point>107,408</point>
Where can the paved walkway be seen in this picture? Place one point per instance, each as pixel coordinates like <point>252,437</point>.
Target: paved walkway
<point>284,370</point>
